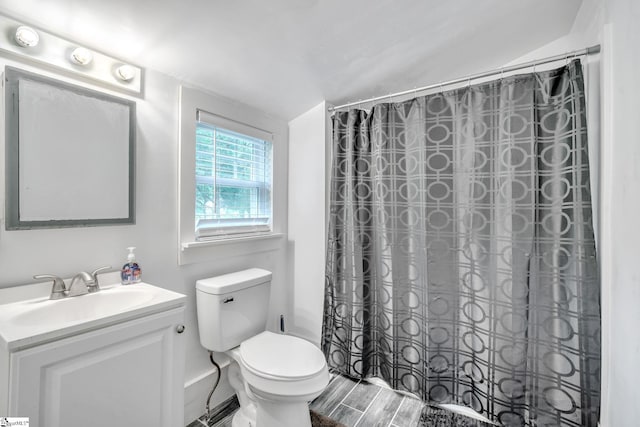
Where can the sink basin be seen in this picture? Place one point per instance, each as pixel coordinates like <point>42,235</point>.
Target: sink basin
<point>28,317</point>
<point>77,309</point>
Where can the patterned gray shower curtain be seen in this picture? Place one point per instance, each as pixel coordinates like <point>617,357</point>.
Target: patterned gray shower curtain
<point>461,259</point>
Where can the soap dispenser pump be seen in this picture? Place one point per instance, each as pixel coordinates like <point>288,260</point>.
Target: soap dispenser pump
<point>131,272</point>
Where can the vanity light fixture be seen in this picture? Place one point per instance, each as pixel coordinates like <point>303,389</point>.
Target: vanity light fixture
<point>18,40</point>
<point>81,56</point>
<point>125,72</point>
<point>26,36</point>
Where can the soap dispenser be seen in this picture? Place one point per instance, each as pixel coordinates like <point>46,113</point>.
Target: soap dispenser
<point>131,272</point>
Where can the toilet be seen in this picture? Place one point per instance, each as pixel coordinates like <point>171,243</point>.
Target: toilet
<point>274,375</point>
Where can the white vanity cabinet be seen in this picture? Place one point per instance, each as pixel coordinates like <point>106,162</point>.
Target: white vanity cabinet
<point>119,370</point>
<point>130,374</point>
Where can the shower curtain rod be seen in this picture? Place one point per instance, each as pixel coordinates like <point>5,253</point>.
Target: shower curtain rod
<point>580,52</point>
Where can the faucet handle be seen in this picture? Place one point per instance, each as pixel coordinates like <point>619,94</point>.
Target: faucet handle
<point>95,287</point>
<point>58,290</point>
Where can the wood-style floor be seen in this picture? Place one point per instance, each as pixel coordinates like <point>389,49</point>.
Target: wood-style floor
<point>362,404</point>
<point>357,404</point>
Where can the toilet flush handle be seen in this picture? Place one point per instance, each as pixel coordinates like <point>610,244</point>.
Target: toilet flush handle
<point>227,300</point>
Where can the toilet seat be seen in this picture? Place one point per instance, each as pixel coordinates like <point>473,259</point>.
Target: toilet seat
<point>282,367</point>
<point>281,357</point>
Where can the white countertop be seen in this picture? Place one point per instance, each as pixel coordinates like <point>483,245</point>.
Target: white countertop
<point>28,322</point>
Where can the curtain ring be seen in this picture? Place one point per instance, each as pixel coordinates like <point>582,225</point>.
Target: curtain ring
<point>502,73</point>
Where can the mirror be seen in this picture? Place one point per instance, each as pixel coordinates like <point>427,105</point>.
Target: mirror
<point>69,154</point>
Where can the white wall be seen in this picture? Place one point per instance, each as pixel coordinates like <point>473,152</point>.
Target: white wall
<point>307,220</point>
<point>66,251</point>
<point>621,156</point>
<point>585,32</point>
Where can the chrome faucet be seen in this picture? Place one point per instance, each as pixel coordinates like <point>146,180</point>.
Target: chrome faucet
<point>77,290</point>
<point>59,289</point>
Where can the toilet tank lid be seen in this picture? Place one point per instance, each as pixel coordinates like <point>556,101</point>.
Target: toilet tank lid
<point>232,282</point>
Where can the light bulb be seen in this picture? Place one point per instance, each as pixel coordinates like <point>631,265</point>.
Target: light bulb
<point>81,56</point>
<point>125,72</point>
<point>27,36</point>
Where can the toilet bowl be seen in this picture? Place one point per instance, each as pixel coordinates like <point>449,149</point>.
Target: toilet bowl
<point>280,374</point>
<point>274,375</point>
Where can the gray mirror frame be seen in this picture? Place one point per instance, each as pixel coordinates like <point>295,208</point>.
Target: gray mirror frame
<point>12,152</point>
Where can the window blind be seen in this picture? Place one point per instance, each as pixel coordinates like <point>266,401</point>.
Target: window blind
<point>233,180</point>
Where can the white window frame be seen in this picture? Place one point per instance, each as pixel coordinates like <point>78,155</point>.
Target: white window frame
<point>242,119</point>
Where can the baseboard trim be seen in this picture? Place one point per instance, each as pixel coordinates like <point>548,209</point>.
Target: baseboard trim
<point>219,413</point>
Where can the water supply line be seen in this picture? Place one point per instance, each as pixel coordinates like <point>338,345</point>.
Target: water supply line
<point>207,409</point>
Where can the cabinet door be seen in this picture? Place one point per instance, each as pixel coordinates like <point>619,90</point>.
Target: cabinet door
<point>129,374</point>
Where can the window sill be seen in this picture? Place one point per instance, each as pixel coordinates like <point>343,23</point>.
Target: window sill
<point>230,240</point>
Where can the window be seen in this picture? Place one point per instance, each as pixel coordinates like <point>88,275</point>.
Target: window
<point>233,177</point>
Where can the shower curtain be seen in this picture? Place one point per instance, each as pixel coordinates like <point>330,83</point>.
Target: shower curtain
<point>461,262</point>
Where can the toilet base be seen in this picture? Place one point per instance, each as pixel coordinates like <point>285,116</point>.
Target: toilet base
<point>273,415</point>
<point>246,415</point>
<point>279,414</point>
<point>264,410</point>
<point>243,419</point>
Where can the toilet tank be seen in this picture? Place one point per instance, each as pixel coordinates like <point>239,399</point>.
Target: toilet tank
<point>232,307</point>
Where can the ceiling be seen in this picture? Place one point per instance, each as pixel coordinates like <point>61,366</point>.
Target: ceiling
<point>286,56</point>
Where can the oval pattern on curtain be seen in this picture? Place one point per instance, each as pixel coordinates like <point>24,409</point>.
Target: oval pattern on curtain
<point>461,261</point>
